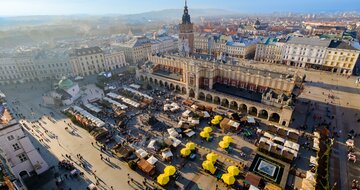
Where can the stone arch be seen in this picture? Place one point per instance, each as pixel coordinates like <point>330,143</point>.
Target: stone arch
<point>234,105</point>
<point>209,98</point>
<point>216,100</point>
<point>156,81</point>
<point>167,85</point>
<point>24,174</point>
<point>161,83</point>
<point>172,86</point>
<point>201,96</point>
<point>142,78</point>
<point>183,90</point>
<point>274,117</point>
<point>151,80</point>
<point>225,102</point>
<point>283,123</point>
<point>191,93</point>
<point>243,108</point>
<point>263,114</point>
<point>177,88</point>
<point>146,78</point>
<point>253,111</point>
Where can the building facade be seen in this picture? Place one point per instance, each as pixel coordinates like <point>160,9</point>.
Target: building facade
<point>136,50</point>
<point>323,54</point>
<point>238,86</point>
<point>305,52</point>
<point>269,50</point>
<point>341,58</point>
<point>230,46</point>
<point>115,60</point>
<point>21,156</point>
<point>34,65</point>
<point>87,61</point>
<point>163,44</point>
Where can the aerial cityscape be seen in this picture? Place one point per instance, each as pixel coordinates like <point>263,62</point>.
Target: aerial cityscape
<point>179,95</point>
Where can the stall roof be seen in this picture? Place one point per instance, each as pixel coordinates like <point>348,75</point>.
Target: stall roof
<point>142,153</point>
<point>292,145</point>
<point>113,102</point>
<point>88,116</point>
<point>135,86</point>
<point>92,108</point>
<point>167,154</point>
<point>152,160</point>
<point>176,141</point>
<point>251,120</point>
<point>138,93</point>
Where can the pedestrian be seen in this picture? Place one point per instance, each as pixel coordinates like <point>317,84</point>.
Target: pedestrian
<point>111,187</point>
<point>131,179</point>
<point>92,143</point>
<point>66,176</point>
<point>128,176</point>
<point>128,182</point>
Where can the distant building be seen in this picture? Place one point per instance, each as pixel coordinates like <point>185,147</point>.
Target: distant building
<point>323,54</point>
<point>163,44</point>
<point>87,61</point>
<point>225,45</point>
<point>186,33</point>
<point>305,52</point>
<point>34,65</point>
<point>269,50</point>
<point>115,60</point>
<point>20,156</point>
<point>341,57</point>
<point>136,50</point>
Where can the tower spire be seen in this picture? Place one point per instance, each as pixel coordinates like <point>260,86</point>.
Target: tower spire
<point>185,3</point>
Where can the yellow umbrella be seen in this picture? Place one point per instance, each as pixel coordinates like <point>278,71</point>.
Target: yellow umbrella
<point>227,139</point>
<point>204,134</point>
<point>163,179</point>
<point>218,117</point>
<point>223,144</point>
<point>211,157</point>
<point>228,179</point>
<point>190,145</point>
<point>215,121</point>
<point>233,170</point>
<point>207,129</point>
<point>185,152</point>
<point>170,170</point>
<point>212,169</point>
<point>207,165</point>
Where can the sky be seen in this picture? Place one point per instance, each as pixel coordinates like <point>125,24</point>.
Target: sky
<point>100,7</point>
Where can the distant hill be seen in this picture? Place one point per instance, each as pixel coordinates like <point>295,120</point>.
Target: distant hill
<point>26,30</point>
<point>175,14</point>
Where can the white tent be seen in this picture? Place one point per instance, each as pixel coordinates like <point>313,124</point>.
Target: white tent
<point>206,114</point>
<point>172,132</point>
<point>313,160</point>
<point>176,141</point>
<point>279,139</point>
<point>151,144</point>
<point>190,133</point>
<point>186,113</point>
<point>167,154</point>
<point>350,142</point>
<point>268,135</point>
<point>142,153</point>
<point>292,145</point>
<point>251,120</point>
<point>152,160</point>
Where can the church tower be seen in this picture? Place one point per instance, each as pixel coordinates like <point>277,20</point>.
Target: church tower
<point>186,35</point>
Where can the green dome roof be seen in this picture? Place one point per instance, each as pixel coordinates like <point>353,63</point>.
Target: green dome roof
<point>65,83</point>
